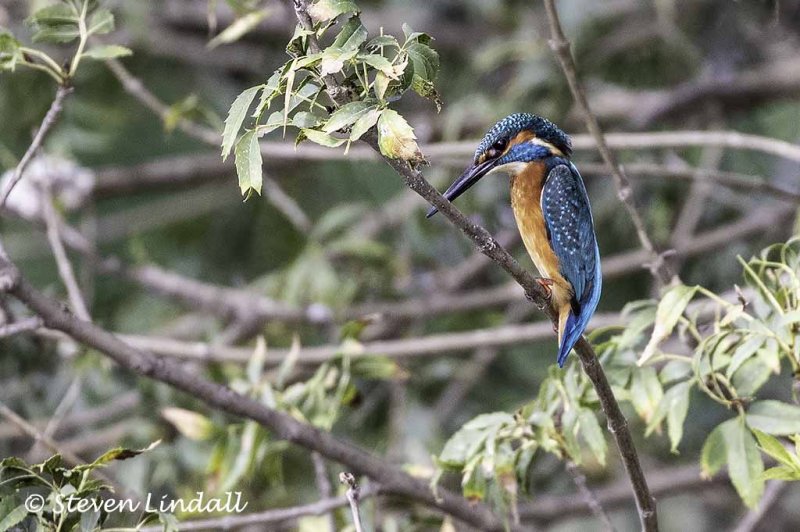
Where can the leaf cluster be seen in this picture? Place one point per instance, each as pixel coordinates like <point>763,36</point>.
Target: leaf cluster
<point>65,22</point>
<point>53,480</point>
<point>369,74</point>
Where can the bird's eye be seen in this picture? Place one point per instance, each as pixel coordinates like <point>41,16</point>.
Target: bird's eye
<point>497,148</point>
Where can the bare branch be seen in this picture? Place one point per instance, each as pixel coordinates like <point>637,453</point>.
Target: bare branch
<point>353,496</point>
<point>49,120</point>
<point>560,45</point>
<point>21,326</point>
<point>591,500</point>
<point>323,485</point>
<point>53,223</point>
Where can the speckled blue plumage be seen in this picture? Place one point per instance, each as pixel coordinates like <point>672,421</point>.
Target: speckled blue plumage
<point>568,217</point>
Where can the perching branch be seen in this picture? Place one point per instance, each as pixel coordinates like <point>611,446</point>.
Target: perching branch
<point>49,120</point>
<point>560,45</point>
<point>617,424</point>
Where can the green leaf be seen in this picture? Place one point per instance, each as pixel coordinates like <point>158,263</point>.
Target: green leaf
<point>238,28</point>
<point>108,51</point>
<point>248,163</point>
<point>774,448</point>
<point>14,517</point>
<point>593,434</point>
<point>396,139</point>
<point>425,61</point>
<point>324,10</point>
<point>119,453</point>
<point>467,442</point>
<point>750,377</point>
<point>333,60</point>
<point>364,123</point>
<point>352,36</point>
<point>646,392</point>
<point>10,53</point>
<point>781,473</point>
<point>323,139</point>
<point>677,404</point>
<point>54,15</point>
<point>236,116</point>
<point>669,311</point>
<point>745,350</point>
<point>774,417</point>
<point>734,444</point>
<point>346,116</point>
<point>193,425</point>
<point>379,63</point>
<point>712,456</point>
<point>101,22</point>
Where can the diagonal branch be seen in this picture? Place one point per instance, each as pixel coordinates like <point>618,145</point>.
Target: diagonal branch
<point>49,120</point>
<point>560,45</point>
<point>391,479</point>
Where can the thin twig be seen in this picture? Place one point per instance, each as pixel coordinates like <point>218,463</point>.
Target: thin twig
<point>353,496</point>
<point>323,485</point>
<point>49,120</point>
<point>561,47</point>
<point>65,270</point>
<point>21,326</point>
<point>591,500</point>
<point>70,457</point>
<point>273,192</point>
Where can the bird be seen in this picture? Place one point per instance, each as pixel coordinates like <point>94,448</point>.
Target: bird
<point>552,211</point>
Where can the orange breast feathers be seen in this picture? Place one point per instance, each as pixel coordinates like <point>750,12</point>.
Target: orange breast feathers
<point>526,193</point>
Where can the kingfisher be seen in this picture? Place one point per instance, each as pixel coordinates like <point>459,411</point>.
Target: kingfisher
<point>552,211</point>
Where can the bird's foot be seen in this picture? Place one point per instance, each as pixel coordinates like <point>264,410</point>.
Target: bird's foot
<point>546,283</point>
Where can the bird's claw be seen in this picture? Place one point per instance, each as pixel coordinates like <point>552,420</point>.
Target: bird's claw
<point>546,284</point>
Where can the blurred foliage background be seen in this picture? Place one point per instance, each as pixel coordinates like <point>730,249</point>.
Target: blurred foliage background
<point>358,240</point>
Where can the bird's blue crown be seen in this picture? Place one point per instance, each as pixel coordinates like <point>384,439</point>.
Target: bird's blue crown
<point>512,125</point>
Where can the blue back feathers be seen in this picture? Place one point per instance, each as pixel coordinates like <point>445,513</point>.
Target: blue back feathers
<point>568,219</point>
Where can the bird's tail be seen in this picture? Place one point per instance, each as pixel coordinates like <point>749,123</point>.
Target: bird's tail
<point>570,328</point>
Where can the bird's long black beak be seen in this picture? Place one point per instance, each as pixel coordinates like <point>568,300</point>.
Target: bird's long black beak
<point>470,176</point>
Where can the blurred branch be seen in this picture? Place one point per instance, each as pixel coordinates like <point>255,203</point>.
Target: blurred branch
<point>278,515</point>
<point>657,265</point>
<point>283,425</point>
<point>431,345</point>
<point>275,195</point>
<point>323,485</point>
<point>69,456</point>
<point>777,79</point>
<point>49,120</point>
<point>730,179</point>
<point>114,407</point>
<point>65,271</point>
<point>664,482</point>
<point>772,495</point>
<point>20,326</point>
<point>588,496</point>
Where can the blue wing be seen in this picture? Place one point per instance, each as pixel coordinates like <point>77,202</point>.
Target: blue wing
<point>568,219</point>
